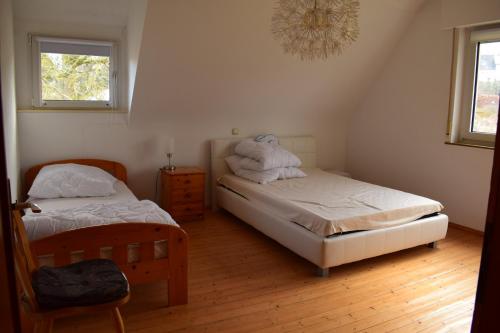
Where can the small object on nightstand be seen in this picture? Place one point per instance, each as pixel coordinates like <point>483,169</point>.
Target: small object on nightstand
<point>183,193</point>
<point>170,155</point>
<point>170,166</point>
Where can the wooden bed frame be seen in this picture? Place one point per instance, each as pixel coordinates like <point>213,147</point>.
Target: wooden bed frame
<point>172,268</point>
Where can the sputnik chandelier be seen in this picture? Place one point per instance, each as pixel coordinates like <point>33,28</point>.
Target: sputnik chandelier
<point>315,29</point>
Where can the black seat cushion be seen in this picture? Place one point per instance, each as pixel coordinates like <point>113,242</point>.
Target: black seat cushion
<point>84,283</point>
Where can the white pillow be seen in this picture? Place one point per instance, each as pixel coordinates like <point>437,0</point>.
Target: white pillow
<point>266,155</point>
<point>70,181</point>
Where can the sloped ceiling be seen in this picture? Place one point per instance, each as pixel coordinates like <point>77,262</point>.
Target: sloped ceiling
<point>219,57</point>
<point>106,12</point>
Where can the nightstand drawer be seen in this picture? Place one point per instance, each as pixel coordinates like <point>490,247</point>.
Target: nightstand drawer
<point>187,181</point>
<point>187,209</point>
<point>187,195</point>
<point>183,193</point>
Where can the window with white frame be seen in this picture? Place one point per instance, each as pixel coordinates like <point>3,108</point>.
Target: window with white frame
<point>73,73</point>
<point>474,105</point>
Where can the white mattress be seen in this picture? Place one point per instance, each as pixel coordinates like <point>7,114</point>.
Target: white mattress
<point>123,193</point>
<point>329,204</point>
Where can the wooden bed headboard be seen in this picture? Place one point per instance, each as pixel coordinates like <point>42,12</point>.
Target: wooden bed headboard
<point>115,168</point>
<point>302,146</point>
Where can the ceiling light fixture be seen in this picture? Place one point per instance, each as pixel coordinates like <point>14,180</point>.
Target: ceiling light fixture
<point>315,29</point>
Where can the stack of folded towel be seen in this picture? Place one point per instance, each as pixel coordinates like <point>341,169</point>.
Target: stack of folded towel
<point>263,160</point>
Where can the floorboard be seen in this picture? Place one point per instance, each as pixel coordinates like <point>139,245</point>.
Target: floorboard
<point>242,281</point>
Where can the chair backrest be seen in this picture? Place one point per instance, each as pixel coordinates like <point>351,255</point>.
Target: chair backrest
<point>25,266</point>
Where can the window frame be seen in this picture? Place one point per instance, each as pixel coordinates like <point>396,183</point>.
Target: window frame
<point>37,100</point>
<point>464,85</point>
<point>469,96</point>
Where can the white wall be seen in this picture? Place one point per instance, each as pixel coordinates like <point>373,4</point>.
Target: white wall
<point>457,13</point>
<point>397,136</point>
<point>208,66</point>
<point>135,26</point>
<point>100,12</point>
<point>52,136</point>
<point>9,94</point>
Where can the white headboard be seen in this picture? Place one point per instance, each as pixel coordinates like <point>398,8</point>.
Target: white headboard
<point>302,146</point>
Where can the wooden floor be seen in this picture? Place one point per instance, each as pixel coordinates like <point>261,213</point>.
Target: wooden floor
<point>241,281</point>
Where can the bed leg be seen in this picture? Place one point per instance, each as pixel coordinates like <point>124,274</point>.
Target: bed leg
<point>322,272</point>
<point>432,245</point>
<point>178,268</point>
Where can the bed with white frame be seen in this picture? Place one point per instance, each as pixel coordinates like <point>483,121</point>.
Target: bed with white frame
<point>324,252</point>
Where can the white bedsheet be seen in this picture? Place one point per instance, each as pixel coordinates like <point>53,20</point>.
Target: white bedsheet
<point>94,214</point>
<point>328,204</point>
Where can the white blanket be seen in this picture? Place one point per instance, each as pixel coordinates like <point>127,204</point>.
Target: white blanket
<point>238,166</point>
<point>57,221</point>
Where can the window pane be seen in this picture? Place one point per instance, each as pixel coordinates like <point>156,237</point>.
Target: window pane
<point>487,89</point>
<point>74,77</point>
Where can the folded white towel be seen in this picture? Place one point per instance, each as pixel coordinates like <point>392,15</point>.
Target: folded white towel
<point>267,138</point>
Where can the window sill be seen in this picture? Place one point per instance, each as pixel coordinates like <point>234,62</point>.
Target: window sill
<point>33,110</point>
<point>471,145</point>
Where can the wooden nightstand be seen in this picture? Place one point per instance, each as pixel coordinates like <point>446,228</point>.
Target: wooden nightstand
<point>183,193</point>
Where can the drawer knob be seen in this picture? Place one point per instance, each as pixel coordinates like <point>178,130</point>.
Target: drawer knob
<point>187,196</point>
<point>187,181</point>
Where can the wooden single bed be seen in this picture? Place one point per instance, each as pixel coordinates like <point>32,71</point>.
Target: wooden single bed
<point>117,237</point>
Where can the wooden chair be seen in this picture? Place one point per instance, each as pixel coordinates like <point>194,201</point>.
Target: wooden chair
<point>43,318</point>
